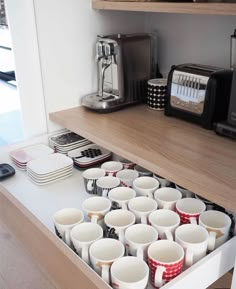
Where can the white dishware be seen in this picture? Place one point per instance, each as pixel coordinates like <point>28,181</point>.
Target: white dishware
<point>127,177</point>
<point>195,240</point>
<point>120,197</point>
<point>112,167</point>
<point>142,207</point>
<point>129,273</point>
<point>103,253</point>
<point>218,223</point>
<point>96,208</point>
<point>82,237</point>
<point>117,221</point>
<point>138,238</point>
<point>64,220</point>
<point>165,222</point>
<point>167,198</point>
<point>163,182</point>
<point>145,186</point>
<point>90,179</point>
<point>165,259</point>
<point>105,184</point>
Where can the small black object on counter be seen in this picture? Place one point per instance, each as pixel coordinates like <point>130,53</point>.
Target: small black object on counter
<point>6,171</point>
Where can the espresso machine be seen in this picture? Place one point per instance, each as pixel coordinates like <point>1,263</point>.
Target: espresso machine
<point>124,64</point>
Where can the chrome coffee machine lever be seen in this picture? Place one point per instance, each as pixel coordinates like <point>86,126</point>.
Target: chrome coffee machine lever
<point>124,64</point>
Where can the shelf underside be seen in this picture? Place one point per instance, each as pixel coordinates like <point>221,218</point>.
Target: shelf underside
<point>168,7</point>
<point>186,154</point>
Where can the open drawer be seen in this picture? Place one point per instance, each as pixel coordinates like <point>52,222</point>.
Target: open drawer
<point>27,210</point>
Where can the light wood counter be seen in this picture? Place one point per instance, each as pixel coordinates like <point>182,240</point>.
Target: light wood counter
<point>184,153</point>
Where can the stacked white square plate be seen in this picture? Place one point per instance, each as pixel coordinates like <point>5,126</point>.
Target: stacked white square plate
<point>67,141</point>
<point>49,169</point>
<point>89,155</point>
<point>22,156</point>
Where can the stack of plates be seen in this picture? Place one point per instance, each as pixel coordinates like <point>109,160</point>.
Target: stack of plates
<point>49,169</point>
<point>89,155</point>
<point>67,141</point>
<point>21,157</point>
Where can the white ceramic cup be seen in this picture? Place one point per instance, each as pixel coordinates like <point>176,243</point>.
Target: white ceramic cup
<point>163,182</point>
<point>142,207</point>
<point>218,223</point>
<point>142,171</point>
<point>145,186</point>
<point>96,208</point>
<point>64,220</point>
<point>167,198</point>
<point>165,259</point>
<point>129,273</point>
<point>165,222</point>
<point>90,178</point>
<point>185,193</point>
<point>83,235</point>
<point>105,184</point>
<point>120,197</point>
<point>103,253</point>
<point>189,210</point>
<point>127,177</point>
<point>117,221</point>
<point>112,167</point>
<point>195,240</point>
<point>138,238</point>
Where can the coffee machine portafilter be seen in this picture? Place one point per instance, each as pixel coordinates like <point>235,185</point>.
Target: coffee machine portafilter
<point>124,64</point>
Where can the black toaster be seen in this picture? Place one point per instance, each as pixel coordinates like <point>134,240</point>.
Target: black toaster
<point>198,93</point>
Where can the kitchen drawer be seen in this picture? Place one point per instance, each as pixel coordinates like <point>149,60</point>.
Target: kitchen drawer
<point>27,210</point>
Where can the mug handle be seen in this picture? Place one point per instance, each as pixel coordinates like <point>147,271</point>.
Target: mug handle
<point>169,235</point>
<point>193,220</point>
<point>124,206</point>
<point>67,238</point>
<point>158,279</point>
<point>143,219</point>
<point>85,254</point>
<point>166,206</point>
<point>212,241</point>
<point>105,273</point>
<point>150,195</point>
<point>94,219</point>
<point>121,235</point>
<point>104,192</point>
<point>188,257</point>
<point>90,185</point>
<point>140,253</point>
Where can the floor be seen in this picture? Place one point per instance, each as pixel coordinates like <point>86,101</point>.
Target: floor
<point>11,125</point>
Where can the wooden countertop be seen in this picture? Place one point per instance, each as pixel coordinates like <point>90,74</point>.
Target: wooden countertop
<point>186,154</point>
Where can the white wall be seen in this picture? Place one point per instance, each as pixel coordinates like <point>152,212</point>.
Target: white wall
<point>202,39</point>
<point>67,33</point>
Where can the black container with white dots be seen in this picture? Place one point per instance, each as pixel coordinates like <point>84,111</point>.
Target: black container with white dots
<point>156,93</point>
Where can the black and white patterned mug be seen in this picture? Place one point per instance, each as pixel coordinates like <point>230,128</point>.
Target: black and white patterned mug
<point>90,179</point>
<point>156,93</point>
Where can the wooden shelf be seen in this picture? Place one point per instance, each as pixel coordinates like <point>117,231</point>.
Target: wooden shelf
<point>184,153</point>
<point>168,7</point>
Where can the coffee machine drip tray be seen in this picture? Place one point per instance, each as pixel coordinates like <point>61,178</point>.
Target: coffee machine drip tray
<point>106,103</point>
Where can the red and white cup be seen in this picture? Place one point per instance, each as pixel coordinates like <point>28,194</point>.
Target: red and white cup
<point>166,260</point>
<point>112,168</point>
<point>189,210</point>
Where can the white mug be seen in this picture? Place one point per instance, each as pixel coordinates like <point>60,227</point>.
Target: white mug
<point>195,240</point>
<point>127,177</point>
<point>138,238</point>
<point>142,171</point>
<point>218,223</point>
<point>103,253</point>
<point>64,220</point>
<point>83,235</point>
<point>120,197</point>
<point>142,207</point>
<point>145,186</point>
<point>90,178</point>
<point>165,259</point>
<point>112,167</point>
<point>105,184</point>
<point>165,222</point>
<point>117,221</point>
<point>129,273</point>
<point>163,182</point>
<point>167,198</point>
<point>96,208</point>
